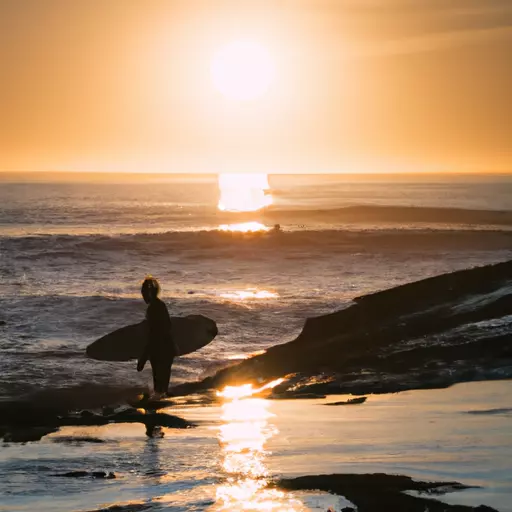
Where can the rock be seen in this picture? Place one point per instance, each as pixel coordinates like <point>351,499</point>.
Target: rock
<point>132,507</point>
<point>2,323</point>
<point>73,474</point>
<point>350,401</point>
<point>293,395</point>
<point>25,435</point>
<point>102,474</point>
<point>124,412</point>
<point>92,474</point>
<point>378,492</point>
<point>23,421</point>
<point>428,334</point>
<point>77,440</point>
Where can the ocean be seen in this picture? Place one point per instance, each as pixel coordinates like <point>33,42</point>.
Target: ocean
<point>73,255</point>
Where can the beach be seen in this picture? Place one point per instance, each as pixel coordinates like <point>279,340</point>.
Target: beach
<point>238,447</point>
<point>255,256</point>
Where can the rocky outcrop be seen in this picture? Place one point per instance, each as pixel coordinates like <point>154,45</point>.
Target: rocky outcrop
<point>24,422</point>
<point>427,334</point>
<point>378,492</point>
<point>88,474</point>
<point>350,401</point>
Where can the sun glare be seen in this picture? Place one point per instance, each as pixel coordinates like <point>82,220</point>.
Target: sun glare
<point>242,70</point>
<point>243,192</point>
<point>245,227</point>
<point>245,430</point>
<point>250,293</point>
<point>246,390</point>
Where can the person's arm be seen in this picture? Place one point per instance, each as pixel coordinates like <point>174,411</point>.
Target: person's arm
<point>143,359</point>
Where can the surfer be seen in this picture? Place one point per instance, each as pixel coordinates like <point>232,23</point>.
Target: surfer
<point>160,349</point>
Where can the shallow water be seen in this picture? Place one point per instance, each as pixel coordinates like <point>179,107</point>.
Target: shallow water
<point>462,433</point>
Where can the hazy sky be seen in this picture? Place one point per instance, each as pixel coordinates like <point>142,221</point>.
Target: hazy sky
<point>361,86</point>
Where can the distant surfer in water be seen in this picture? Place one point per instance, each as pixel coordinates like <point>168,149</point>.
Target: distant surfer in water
<point>160,349</point>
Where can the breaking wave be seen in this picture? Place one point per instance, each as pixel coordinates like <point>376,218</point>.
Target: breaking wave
<point>214,243</point>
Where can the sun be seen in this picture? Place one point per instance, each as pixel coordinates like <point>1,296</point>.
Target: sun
<point>244,192</point>
<point>242,70</point>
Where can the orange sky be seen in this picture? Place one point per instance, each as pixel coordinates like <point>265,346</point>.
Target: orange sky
<point>361,86</point>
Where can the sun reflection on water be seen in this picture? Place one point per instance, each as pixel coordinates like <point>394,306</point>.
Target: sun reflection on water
<point>243,192</point>
<point>249,293</point>
<point>245,430</point>
<point>246,390</point>
<point>235,357</point>
<point>245,227</point>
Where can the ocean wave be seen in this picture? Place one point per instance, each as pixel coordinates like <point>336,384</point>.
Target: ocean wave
<point>399,214</point>
<point>354,217</point>
<point>215,244</point>
<point>45,354</point>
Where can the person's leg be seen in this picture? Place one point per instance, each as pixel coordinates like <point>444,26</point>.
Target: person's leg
<point>161,374</point>
<point>165,375</point>
<point>156,369</point>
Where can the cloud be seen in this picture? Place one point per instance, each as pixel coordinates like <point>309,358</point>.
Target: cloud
<point>434,41</point>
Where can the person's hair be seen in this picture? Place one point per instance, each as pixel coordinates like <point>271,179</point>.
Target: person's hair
<point>150,287</point>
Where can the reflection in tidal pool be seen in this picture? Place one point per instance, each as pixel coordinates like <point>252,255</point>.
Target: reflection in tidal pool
<point>242,436</point>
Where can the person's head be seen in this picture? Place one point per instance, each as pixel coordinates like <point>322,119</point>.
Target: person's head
<point>150,289</point>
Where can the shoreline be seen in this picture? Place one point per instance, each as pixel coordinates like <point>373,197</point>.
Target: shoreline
<point>221,451</point>
<point>256,444</point>
<point>428,334</point>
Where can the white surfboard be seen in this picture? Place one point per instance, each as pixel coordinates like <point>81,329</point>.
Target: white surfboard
<point>190,333</point>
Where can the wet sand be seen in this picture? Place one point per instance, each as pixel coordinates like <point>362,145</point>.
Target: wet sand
<point>459,434</point>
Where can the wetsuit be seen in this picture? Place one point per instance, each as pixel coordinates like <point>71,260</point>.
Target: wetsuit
<point>160,348</point>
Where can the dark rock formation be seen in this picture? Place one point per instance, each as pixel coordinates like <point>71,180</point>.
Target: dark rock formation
<point>378,492</point>
<point>78,440</point>
<point>289,395</point>
<point>26,434</point>
<point>350,401</point>
<point>22,422</point>
<point>131,507</point>
<point>428,334</point>
<point>91,474</point>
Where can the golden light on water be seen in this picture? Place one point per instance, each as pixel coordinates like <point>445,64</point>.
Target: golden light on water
<point>235,357</point>
<point>245,227</point>
<point>245,430</point>
<point>243,192</point>
<point>246,390</point>
<point>249,293</point>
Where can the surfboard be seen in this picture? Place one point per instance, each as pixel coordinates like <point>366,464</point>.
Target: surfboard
<point>190,333</point>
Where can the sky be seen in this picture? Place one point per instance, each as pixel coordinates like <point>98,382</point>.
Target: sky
<point>360,86</point>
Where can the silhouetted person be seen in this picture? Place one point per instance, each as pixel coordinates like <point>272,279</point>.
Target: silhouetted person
<point>160,349</point>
